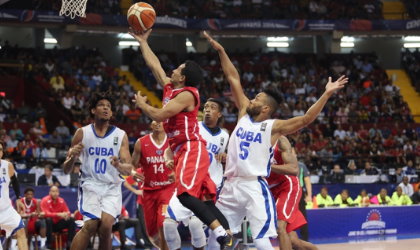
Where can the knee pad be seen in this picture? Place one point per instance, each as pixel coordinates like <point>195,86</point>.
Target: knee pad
<point>170,230</point>
<point>198,237</point>
<point>263,244</point>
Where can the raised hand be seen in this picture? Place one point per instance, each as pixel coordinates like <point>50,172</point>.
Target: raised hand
<point>332,87</point>
<point>139,35</point>
<point>139,99</point>
<point>216,45</point>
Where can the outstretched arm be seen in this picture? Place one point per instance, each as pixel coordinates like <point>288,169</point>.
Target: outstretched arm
<point>285,127</point>
<point>181,102</point>
<point>232,75</point>
<point>290,166</point>
<point>152,61</point>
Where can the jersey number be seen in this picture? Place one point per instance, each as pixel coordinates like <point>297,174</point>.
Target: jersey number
<point>100,166</point>
<point>244,149</point>
<point>158,169</point>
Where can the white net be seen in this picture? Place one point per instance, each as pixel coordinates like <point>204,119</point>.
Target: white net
<point>73,8</point>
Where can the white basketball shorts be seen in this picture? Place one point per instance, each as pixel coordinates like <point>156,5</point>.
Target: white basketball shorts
<point>10,221</point>
<point>95,198</point>
<point>249,197</point>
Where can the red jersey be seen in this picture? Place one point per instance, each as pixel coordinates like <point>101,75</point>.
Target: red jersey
<point>51,208</point>
<point>153,163</point>
<point>183,126</point>
<point>277,179</point>
<point>31,207</point>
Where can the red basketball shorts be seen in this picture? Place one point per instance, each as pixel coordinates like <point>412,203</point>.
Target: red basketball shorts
<point>192,176</point>
<point>154,207</point>
<point>287,196</point>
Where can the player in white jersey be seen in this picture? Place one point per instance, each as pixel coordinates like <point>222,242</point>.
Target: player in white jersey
<point>245,191</point>
<point>217,140</point>
<point>10,221</point>
<point>104,152</point>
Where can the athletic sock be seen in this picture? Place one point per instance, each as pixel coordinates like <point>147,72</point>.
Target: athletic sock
<point>219,231</point>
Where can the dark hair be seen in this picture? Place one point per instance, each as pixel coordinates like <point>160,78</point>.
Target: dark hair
<point>273,99</point>
<point>218,101</point>
<point>98,96</point>
<point>49,166</point>
<point>193,74</point>
<point>29,189</point>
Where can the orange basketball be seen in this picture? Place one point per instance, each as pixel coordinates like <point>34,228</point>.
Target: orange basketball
<point>141,16</point>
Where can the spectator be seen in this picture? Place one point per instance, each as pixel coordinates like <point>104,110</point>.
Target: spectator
<point>400,199</point>
<point>416,197</point>
<point>68,101</point>
<point>406,187</point>
<point>16,131</point>
<point>351,168</point>
<point>343,199</point>
<point>63,130</point>
<point>75,175</point>
<point>37,131</point>
<point>362,199</point>
<point>337,175</point>
<point>48,179</point>
<point>55,139</point>
<point>409,169</point>
<point>133,114</point>
<point>57,214</point>
<point>57,82</point>
<point>382,198</point>
<point>369,170</point>
<point>323,199</point>
<point>12,143</point>
<point>30,210</point>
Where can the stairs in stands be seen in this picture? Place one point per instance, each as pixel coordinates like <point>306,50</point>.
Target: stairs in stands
<point>393,10</point>
<point>408,92</point>
<point>138,85</point>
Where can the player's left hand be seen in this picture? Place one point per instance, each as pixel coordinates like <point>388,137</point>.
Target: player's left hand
<point>331,86</point>
<point>139,100</point>
<point>115,161</point>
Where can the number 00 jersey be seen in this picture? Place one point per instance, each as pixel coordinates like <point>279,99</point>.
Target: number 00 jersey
<point>97,153</point>
<point>153,163</point>
<point>249,149</point>
<point>216,144</point>
<point>4,185</point>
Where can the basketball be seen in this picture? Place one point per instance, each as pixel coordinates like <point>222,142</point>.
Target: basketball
<point>141,16</point>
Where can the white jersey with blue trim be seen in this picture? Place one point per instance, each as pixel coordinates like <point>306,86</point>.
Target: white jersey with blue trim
<point>4,185</point>
<point>216,143</point>
<point>97,153</point>
<point>249,149</point>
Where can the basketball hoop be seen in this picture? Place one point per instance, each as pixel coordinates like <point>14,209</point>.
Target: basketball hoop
<point>73,8</point>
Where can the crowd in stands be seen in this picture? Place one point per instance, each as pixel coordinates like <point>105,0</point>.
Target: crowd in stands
<point>233,9</point>
<point>410,61</point>
<point>367,120</point>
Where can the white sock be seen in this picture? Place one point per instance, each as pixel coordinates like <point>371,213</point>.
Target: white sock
<point>219,231</point>
<point>43,241</point>
<point>13,245</point>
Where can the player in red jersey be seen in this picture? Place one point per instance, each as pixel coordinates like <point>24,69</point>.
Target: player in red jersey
<point>158,185</point>
<point>29,208</point>
<point>181,102</point>
<point>284,185</point>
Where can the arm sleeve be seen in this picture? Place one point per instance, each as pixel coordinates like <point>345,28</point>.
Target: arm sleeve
<point>15,184</point>
<point>304,169</point>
